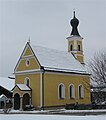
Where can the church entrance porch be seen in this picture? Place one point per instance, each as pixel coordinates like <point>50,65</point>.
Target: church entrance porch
<point>21,96</point>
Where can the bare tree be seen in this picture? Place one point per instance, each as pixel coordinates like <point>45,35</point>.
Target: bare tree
<point>98,68</point>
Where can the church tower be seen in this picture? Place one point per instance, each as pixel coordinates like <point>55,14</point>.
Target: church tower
<point>75,41</point>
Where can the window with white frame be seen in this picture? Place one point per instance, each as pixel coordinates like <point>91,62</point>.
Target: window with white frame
<point>27,62</point>
<point>27,81</point>
<point>81,91</point>
<point>72,91</point>
<point>61,91</point>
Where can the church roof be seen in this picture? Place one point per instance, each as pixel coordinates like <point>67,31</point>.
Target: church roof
<point>23,87</point>
<point>56,60</point>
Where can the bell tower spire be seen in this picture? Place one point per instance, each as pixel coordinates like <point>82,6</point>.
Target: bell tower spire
<point>74,23</point>
<point>75,40</point>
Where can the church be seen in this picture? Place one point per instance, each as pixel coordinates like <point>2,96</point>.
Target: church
<point>48,78</point>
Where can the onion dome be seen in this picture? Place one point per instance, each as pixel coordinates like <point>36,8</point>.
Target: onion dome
<point>74,23</point>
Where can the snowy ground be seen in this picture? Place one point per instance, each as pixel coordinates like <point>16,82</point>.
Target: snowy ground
<point>49,117</point>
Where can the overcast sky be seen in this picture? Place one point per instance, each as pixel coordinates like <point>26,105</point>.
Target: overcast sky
<point>47,22</point>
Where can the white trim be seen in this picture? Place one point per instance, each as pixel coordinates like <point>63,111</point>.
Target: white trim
<point>75,44</point>
<point>26,62</point>
<point>41,89</point>
<point>82,91</point>
<point>26,71</point>
<point>25,81</point>
<point>21,102</point>
<point>71,74</point>
<point>74,38</point>
<point>26,49</point>
<point>25,57</point>
<point>17,93</point>
<point>66,70</point>
<point>63,92</point>
<point>73,94</point>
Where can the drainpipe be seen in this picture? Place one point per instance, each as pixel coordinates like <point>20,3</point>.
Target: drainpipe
<point>42,88</point>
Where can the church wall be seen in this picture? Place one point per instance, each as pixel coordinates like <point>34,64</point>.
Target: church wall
<point>27,52</point>
<point>22,65</point>
<point>51,82</point>
<point>34,84</point>
<point>27,55</point>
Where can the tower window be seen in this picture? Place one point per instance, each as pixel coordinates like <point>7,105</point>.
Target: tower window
<point>71,47</point>
<point>79,48</point>
<point>61,91</point>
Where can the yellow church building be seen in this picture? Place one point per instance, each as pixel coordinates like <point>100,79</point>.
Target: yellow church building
<point>48,78</point>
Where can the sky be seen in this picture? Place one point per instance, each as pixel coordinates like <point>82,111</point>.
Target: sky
<point>47,23</point>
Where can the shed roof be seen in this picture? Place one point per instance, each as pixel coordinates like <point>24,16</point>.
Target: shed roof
<point>7,83</point>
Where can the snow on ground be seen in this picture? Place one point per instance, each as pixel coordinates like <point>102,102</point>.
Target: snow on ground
<point>49,117</point>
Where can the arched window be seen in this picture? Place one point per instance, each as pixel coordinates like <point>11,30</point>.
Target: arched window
<point>79,48</point>
<point>72,91</point>
<point>81,91</point>
<point>27,81</point>
<point>61,91</point>
<point>71,47</point>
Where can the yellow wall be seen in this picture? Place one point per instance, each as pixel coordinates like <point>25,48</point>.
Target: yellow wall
<point>34,84</point>
<point>80,58</point>
<point>78,54</point>
<point>22,65</point>
<point>27,52</point>
<point>79,43</point>
<point>69,44</point>
<point>51,82</point>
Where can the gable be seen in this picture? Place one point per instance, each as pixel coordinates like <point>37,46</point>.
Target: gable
<point>29,57</point>
<point>27,51</point>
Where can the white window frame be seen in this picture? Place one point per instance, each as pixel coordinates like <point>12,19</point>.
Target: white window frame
<point>25,81</point>
<point>63,91</point>
<point>26,62</point>
<point>73,91</point>
<point>82,91</point>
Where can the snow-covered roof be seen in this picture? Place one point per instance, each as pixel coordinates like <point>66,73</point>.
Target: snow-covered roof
<point>23,87</point>
<point>57,60</point>
<point>7,83</point>
<point>3,97</point>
